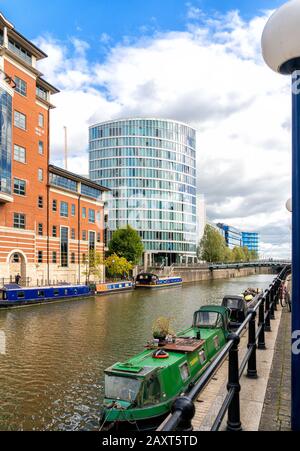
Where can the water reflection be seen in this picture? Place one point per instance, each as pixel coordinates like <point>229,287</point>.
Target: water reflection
<point>51,371</point>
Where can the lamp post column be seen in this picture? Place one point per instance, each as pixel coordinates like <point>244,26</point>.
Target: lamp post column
<point>296,251</point>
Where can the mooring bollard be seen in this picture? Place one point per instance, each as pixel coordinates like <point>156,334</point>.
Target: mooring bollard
<point>261,323</point>
<point>252,369</point>
<point>234,415</point>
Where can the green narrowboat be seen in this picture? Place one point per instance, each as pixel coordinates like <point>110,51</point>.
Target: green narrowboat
<point>139,393</point>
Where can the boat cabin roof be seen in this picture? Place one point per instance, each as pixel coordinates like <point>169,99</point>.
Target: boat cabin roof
<point>14,286</point>
<point>214,308</point>
<point>238,297</point>
<point>144,364</point>
<point>147,274</point>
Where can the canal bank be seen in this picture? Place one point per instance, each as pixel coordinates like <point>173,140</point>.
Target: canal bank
<point>191,274</point>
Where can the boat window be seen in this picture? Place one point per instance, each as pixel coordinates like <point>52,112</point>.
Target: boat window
<point>232,303</point>
<point>41,294</point>
<point>21,295</point>
<point>184,371</point>
<point>208,319</point>
<point>151,392</point>
<point>202,357</point>
<point>123,388</point>
<point>1,294</point>
<point>56,292</point>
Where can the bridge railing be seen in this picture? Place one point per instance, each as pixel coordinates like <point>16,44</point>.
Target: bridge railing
<point>183,409</point>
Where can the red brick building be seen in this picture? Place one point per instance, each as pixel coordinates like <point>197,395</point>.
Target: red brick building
<point>49,218</point>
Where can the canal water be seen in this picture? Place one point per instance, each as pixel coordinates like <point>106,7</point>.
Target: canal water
<point>52,356</point>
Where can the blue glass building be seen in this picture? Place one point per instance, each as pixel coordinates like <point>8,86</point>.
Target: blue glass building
<point>5,142</point>
<point>233,236</point>
<point>150,167</point>
<point>251,241</point>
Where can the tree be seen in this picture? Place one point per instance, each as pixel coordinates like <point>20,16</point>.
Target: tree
<point>238,254</point>
<point>212,247</point>
<point>253,255</point>
<point>117,266</point>
<point>127,243</point>
<point>246,254</point>
<point>93,265</point>
<point>228,255</point>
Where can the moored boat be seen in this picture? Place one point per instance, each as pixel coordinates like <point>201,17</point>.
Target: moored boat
<point>149,280</point>
<point>114,287</point>
<point>139,393</point>
<point>239,306</point>
<point>13,295</point>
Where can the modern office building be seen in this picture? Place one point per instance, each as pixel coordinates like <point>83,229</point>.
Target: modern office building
<point>251,241</point>
<point>150,167</point>
<point>49,218</point>
<point>233,236</point>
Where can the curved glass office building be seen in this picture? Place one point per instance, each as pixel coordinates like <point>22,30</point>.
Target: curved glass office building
<point>150,167</point>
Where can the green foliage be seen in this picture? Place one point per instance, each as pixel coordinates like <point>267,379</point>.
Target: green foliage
<point>212,246</point>
<point>117,266</point>
<point>228,255</point>
<point>238,254</point>
<point>127,243</point>
<point>253,255</point>
<point>93,265</point>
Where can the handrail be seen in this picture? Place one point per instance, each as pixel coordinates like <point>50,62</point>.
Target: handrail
<point>183,408</point>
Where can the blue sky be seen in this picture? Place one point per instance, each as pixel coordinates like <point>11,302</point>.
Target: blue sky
<point>118,18</point>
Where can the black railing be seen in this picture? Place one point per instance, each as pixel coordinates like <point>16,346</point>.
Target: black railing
<point>24,281</point>
<point>183,409</point>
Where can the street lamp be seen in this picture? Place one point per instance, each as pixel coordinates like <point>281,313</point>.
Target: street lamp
<point>281,52</point>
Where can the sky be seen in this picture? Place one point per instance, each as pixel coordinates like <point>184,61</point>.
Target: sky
<point>197,61</point>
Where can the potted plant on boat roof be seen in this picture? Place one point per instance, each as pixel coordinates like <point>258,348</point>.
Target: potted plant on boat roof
<point>161,328</point>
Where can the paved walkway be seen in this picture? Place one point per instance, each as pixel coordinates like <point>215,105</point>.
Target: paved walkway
<point>254,392</point>
<point>276,415</point>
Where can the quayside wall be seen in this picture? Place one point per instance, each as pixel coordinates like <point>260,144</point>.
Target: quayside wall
<point>197,275</point>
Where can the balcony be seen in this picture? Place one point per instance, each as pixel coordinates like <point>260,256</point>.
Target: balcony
<point>5,198</point>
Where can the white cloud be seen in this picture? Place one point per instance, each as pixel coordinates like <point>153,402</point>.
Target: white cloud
<point>211,76</point>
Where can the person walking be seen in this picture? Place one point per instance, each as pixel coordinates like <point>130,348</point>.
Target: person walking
<point>17,278</point>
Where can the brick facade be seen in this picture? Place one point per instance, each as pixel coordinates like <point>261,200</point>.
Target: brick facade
<point>28,248</point>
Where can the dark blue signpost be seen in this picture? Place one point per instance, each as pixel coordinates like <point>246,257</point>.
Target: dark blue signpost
<point>281,52</point>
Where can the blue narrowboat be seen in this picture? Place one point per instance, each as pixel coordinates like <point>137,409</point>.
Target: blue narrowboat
<point>148,280</point>
<point>114,287</point>
<point>14,295</point>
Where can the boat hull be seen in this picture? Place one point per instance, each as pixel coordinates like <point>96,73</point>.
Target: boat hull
<point>22,297</point>
<point>157,286</point>
<point>150,424</point>
<point>111,288</point>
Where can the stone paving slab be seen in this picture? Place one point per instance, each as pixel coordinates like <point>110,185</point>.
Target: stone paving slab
<point>276,415</point>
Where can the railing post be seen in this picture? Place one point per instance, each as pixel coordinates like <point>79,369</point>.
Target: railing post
<point>234,416</point>
<point>268,313</point>
<point>274,297</point>
<point>186,406</point>
<point>261,323</point>
<point>252,369</point>
<point>272,303</point>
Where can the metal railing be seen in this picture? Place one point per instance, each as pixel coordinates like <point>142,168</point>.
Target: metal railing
<point>183,409</point>
<point>24,281</point>
<point>229,265</point>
